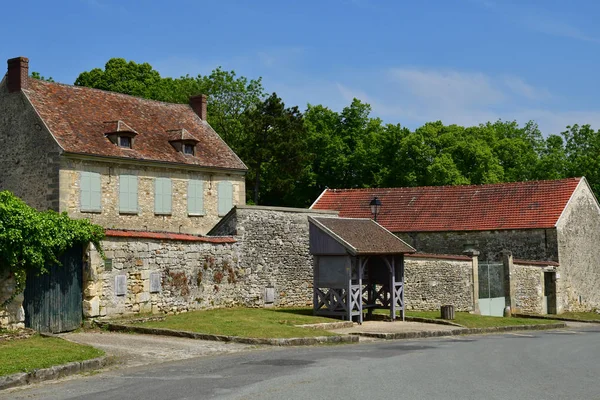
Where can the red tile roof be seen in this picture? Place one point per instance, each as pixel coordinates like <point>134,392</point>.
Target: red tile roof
<point>518,205</point>
<point>168,236</point>
<point>77,117</point>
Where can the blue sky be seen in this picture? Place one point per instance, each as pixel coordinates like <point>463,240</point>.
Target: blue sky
<point>459,61</point>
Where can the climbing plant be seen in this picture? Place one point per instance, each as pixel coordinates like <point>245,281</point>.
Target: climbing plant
<point>31,240</point>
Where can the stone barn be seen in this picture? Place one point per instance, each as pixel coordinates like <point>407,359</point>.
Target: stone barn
<point>554,221</point>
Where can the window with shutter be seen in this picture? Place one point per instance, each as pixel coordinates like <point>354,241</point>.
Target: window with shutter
<point>195,197</point>
<point>90,192</point>
<point>128,194</point>
<point>225,197</point>
<point>162,196</point>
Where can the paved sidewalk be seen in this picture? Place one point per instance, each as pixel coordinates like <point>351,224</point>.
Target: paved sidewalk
<point>135,350</point>
<point>394,327</point>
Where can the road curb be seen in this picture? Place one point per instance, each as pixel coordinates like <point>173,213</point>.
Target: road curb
<point>459,331</point>
<point>308,341</point>
<point>328,325</point>
<point>432,321</point>
<point>55,372</point>
<point>533,316</point>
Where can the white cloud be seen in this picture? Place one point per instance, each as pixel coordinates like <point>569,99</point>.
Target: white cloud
<point>522,88</point>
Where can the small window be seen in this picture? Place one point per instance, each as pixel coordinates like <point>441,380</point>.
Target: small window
<point>125,141</point>
<point>188,149</point>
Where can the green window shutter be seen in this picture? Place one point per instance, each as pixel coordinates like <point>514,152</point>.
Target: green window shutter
<point>86,191</point>
<point>96,192</point>
<point>225,194</point>
<point>128,193</point>
<point>90,191</point>
<point>162,196</point>
<point>195,197</point>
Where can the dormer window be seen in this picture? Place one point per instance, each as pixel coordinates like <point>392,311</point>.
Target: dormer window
<point>188,149</point>
<point>183,141</point>
<point>120,134</point>
<point>125,141</point>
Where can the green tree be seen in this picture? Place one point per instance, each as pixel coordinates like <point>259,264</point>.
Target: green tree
<point>36,75</point>
<point>275,151</point>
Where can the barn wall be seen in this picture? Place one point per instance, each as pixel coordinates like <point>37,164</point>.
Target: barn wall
<point>579,251</point>
<point>527,244</point>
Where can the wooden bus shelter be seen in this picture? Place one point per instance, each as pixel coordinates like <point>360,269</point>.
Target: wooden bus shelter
<point>358,266</point>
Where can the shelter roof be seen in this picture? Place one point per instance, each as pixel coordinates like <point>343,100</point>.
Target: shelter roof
<point>361,236</point>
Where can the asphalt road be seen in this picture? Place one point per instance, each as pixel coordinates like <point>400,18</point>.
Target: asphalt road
<point>560,364</point>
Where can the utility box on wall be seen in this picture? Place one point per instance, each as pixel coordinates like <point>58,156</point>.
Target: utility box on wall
<point>269,296</point>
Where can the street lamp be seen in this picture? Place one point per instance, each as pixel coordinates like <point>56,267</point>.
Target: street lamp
<point>375,205</point>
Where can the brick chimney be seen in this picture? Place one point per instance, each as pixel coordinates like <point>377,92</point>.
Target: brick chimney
<point>198,104</point>
<point>18,73</point>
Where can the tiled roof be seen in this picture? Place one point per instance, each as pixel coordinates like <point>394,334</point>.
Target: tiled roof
<point>77,118</point>
<point>518,205</point>
<point>168,236</point>
<point>364,236</point>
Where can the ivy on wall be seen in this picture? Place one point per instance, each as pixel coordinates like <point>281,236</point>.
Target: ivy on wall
<point>32,240</point>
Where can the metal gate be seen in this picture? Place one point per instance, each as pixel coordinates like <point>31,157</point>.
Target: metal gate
<point>491,289</point>
<point>53,301</point>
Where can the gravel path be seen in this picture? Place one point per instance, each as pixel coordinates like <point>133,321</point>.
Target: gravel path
<point>393,327</point>
<point>135,350</point>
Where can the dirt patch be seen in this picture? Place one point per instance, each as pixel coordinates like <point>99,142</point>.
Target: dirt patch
<point>16,334</point>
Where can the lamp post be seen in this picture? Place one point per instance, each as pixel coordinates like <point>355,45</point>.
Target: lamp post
<point>375,205</point>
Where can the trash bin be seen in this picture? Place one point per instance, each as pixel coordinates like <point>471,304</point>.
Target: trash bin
<point>447,312</point>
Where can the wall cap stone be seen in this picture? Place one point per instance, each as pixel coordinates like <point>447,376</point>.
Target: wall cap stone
<point>535,263</point>
<point>438,256</point>
<point>286,209</point>
<point>168,236</point>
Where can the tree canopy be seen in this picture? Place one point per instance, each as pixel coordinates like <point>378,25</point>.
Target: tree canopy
<point>293,155</point>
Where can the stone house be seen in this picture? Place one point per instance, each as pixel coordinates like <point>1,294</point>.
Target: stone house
<point>120,161</point>
<point>554,221</point>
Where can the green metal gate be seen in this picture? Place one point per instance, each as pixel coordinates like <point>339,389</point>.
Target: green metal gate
<point>491,289</point>
<point>53,301</point>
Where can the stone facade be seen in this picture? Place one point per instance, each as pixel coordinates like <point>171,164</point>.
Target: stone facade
<point>12,316</point>
<point>432,281</point>
<point>29,156</point>
<point>528,244</point>
<point>146,219</point>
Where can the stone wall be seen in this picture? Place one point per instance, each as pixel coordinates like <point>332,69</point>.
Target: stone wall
<point>579,251</point>
<point>528,288</point>
<point>432,281</point>
<point>28,153</point>
<point>145,219</point>
<point>12,316</point>
<point>528,244</point>
<point>268,253</point>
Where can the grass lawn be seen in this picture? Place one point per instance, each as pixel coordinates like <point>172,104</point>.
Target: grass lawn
<point>245,322</point>
<point>583,316</point>
<point>25,355</point>
<point>480,321</point>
